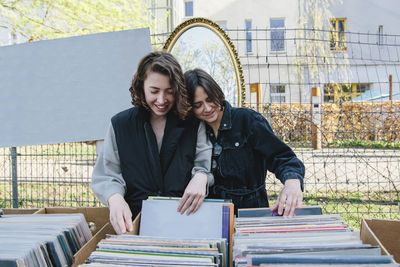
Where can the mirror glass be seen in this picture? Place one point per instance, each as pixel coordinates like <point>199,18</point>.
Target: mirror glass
<point>198,46</point>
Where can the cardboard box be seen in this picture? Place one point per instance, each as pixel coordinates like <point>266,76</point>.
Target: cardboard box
<point>99,224</point>
<point>83,254</point>
<point>19,211</point>
<point>382,233</point>
<point>95,217</point>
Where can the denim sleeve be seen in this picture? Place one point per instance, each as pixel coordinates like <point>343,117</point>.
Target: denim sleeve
<point>279,157</point>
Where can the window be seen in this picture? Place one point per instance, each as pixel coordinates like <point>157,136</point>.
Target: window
<point>362,88</point>
<point>329,93</point>
<point>277,34</point>
<point>249,45</point>
<point>278,93</point>
<point>380,35</point>
<point>344,92</point>
<point>189,8</point>
<point>338,34</point>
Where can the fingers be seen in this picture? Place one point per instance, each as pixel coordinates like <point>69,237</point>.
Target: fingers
<point>300,201</point>
<point>115,226</point>
<point>117,221</point>
<point>190,203</point>
<point>275,207</point>
<point>114,220</point>
<point>182,202</point>
<point>194,194</point>
<point>120,216</point>
<point>289,198</point>
<point>198,205</point>
<point>290,206</point>
<point>187,203</point>
<point>281,203</point>
<point>119,209</point>
<point>128,220</point>
<point>198,200</point>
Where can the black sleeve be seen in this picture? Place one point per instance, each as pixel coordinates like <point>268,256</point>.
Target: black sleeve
<point>280,158</point>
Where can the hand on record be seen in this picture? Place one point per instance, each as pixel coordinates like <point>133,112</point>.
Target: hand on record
<point>194,194</point>
<point>120,214</point>
<point>289,198</point>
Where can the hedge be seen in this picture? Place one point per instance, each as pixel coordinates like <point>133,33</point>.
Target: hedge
<point>369,121</point>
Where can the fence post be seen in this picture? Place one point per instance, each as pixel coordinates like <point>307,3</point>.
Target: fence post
<point>316,118</point>
<point>256,88</point>
<point>14,177</point>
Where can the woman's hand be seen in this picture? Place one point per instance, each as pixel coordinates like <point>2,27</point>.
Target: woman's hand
<point>289,198</point>
<point>194,194</point>
<point>120,214</point>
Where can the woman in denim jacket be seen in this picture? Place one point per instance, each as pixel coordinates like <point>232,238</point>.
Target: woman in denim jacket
<point>244,148</point>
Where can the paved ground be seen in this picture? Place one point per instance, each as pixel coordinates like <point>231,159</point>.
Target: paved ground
<point>351,169</point>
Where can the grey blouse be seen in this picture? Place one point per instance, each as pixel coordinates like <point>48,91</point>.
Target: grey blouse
<point>107,178</point>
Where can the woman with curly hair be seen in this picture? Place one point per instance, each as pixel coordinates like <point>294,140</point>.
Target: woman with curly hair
<point>150,149</point>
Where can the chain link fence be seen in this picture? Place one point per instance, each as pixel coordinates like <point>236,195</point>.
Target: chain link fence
<point>47,175</point>
<point>357,170</point>
<point>355,173</point>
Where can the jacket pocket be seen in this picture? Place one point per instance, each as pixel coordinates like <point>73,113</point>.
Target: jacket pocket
<point>234,160</point>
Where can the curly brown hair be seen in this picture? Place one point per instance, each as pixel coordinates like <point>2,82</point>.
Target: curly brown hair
<point>164,63</point>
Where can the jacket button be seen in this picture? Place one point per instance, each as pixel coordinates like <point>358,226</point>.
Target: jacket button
<point>224,124</point>
<point>236,144</point>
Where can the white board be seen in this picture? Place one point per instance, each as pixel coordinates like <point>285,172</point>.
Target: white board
<point>160,218</point>
<point>66,90</point>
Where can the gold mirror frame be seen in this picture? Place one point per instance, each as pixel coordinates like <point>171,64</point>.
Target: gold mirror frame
<point>203,22</point>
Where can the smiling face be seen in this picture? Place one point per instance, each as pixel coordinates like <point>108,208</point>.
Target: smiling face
<point>205,109</point>
<point>158,93</point>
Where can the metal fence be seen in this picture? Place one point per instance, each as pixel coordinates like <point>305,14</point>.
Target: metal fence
<point>357,170</point>
<point>47,175</point>
<point>355,173</point>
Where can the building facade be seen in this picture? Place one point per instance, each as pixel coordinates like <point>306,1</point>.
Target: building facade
<point>283,48</point>
<point>285,51</point>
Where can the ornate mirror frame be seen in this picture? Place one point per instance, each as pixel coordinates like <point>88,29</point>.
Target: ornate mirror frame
<point>203,22</point>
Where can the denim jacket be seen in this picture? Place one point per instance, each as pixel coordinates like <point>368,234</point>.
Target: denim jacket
<point>249,149</point>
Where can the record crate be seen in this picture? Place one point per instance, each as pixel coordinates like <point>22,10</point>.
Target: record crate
<point>99,224</point>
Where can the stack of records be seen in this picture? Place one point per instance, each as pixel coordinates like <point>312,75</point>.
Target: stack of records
<point>41,239</point>
<point>214,219</point>
<point>168,238</point>
<point>308,240</point>
<point>262,212</point>
<point>135,250</point>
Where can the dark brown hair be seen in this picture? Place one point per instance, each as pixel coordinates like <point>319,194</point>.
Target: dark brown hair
<point>198,77</point>
<point>164,63</point>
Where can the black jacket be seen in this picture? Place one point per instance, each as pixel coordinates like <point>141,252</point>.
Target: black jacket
<point>249,149</point>
<point>146,171</point>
